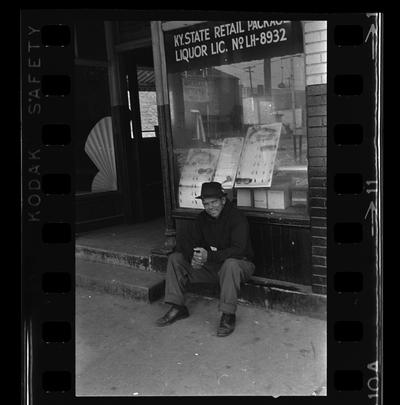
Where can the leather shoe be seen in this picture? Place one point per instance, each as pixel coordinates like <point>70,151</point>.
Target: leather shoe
<point>174,314</point>
<point>226,325</point>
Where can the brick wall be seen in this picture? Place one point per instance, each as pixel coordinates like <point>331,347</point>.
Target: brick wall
<point>315,45</point>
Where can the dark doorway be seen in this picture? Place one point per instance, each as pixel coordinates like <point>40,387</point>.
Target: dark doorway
<point>141,93</point>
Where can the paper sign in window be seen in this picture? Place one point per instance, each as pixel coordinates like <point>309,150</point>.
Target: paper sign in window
<point>258,157</point>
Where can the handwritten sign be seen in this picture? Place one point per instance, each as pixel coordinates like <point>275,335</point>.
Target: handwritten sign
<point>220,43</point>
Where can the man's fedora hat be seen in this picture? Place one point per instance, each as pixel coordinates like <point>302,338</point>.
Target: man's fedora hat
<point>211,189</point>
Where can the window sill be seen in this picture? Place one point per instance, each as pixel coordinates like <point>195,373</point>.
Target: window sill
<point>97,194</point>
<point>288,217</point>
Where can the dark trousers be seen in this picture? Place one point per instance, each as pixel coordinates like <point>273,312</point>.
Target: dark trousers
<point>229,275</point>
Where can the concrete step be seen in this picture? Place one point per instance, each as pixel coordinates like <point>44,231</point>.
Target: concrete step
<point>269,294</point>
<point>98,255</point>
<point>147,262</point>
<point>120,280</point>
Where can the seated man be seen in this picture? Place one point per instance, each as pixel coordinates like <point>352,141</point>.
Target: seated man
<point>218,251</point>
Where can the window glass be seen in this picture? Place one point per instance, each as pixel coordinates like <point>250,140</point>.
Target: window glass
<point>93,141</point>
<point>238,114</point>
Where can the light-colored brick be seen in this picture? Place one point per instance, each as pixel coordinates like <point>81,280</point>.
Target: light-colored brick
<point>313,58</point>
<point>323,56</point>
<point>315,26</point>
<point>312,37</point>
<point>324,35</point>
<point>314,79</point>
<point>318,68</point>
<point>316,47</point>
<point>324,78</point>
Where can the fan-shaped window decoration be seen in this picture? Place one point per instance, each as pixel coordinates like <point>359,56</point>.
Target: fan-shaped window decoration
<point>100,148</point>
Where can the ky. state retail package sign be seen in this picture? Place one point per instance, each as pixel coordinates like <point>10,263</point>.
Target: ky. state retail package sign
<point>223,43</point>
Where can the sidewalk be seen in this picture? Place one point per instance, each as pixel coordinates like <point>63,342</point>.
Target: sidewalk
<point>120,352</point>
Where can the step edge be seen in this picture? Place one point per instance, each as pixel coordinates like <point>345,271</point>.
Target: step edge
<point>116,287</point>
<point>115,252</point>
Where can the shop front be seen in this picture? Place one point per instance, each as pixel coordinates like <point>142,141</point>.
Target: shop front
<point>117,147</point>
<point>242,103</point>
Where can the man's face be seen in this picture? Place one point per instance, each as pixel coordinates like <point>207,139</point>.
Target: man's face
<point>214,206</point>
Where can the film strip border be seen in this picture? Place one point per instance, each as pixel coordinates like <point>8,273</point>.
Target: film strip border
<point>351,190</point>
<point>354,201</point>
<point>47,207</point>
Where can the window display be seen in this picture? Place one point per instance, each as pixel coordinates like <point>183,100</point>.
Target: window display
<point>238,112</point>
<point>229,161</point>
<point>258,158</point>
<point>199,168</point>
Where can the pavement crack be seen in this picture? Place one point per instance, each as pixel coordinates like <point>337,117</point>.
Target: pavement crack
<point>313,349</point>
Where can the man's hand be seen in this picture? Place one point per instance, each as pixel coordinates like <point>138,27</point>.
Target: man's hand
<point>196,264</point>
<point>199,257</point>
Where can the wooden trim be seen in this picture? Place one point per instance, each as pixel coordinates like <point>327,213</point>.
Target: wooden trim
<point>160,65</point>
<point>115,82</point>
<point>119,113</point>
<point>137,139</point>
<point>273,219</point>
<point>281,284</point>
<point>135,44</point>
<point>164,129</point>
<point>185,213</point>
<point>278,217</point>
<point>89,196</point>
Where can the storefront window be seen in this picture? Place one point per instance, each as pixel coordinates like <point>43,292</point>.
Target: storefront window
<point>93,140</point>
<point>238,111</point>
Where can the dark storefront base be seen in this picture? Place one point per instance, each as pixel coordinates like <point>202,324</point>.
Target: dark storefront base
<point>273,296</point>
<point>282,246</point>
<point>136,248</point>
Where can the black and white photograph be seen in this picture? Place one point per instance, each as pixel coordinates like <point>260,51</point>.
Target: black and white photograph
<point>200,198</point>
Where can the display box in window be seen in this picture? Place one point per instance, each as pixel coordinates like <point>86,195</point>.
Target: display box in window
<point>260,197</point>
<point>244,197</point>
<point>279,196</point>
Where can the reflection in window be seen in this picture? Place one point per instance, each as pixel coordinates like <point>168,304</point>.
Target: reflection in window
<point>212,104</point>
